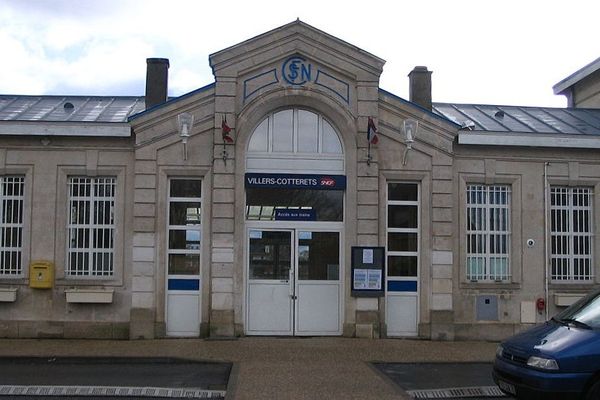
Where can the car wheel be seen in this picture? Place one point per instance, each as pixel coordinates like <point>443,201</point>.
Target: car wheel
<point>593,392</point>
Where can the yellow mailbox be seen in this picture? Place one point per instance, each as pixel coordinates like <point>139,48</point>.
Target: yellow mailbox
<point>41,274</point>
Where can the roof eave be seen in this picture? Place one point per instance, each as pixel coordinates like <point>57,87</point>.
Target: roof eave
<point>487,138</point>
<point>170,102</point>
<point>50,128</point>
<point>577,76</point>
<point>422,109</point>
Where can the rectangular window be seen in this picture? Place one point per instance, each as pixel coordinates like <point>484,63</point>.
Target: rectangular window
<point>184,227</point>
<point>488,233</point>
<point>266,204</point>
<point>571,233</point>
<point>91,227</point>
<point>11,224</point>
<point>403,229</point>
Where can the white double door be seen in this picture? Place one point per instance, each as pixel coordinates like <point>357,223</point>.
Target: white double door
<point>294,282</point>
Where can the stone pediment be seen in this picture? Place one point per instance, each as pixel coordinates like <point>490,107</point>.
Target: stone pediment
<point>296,54</point>
<point>296,71</point>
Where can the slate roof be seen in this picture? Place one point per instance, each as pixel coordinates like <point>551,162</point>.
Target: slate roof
<point>476,117</point>
<point>69,108</point>
<point>515,119</point>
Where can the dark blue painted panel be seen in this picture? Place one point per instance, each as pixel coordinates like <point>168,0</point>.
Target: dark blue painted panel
<point>184,284</point>
<point>402,286</point>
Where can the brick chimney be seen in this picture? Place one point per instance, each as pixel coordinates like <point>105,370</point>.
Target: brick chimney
<point>157,76</point>
<point>420,87</point>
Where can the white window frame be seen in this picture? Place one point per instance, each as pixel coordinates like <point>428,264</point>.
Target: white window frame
<point>402,307</point>
<point>7,269</point>
<point>482,232</point>
<point>323,131</point>
<point>92,225</point>
<point>416,230</point>
<point>197,227</point>
<point>262,154</point>
<point>563,251</point>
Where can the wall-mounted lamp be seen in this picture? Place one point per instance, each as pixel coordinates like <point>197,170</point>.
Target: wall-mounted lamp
<point>185,122</point>
<point>410,132</point>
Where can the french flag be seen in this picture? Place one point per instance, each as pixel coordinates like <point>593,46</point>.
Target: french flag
<point>372,132</point>
<point>226,131</point>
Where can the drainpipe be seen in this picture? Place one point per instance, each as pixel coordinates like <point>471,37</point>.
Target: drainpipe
<point>546,237</point>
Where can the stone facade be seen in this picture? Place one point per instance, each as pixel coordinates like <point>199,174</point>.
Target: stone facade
<point>340,83</point>
<point>46,312</point>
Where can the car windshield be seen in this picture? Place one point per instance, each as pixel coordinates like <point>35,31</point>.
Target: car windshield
<point>585,311</point>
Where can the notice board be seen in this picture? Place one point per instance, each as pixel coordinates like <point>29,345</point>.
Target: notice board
<point>368,271</point>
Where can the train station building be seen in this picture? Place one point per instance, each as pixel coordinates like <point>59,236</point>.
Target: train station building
<point>295,197</point>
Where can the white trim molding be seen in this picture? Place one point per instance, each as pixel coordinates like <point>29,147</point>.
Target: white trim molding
<point>26,128</point>
<point>529,140</point>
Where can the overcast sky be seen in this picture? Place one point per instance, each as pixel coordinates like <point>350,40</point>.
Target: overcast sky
<point>480,51</point>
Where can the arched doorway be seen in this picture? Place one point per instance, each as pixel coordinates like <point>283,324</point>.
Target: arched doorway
<point>295,188</point>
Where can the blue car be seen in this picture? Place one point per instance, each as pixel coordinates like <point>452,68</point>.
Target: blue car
<point>558,359</point>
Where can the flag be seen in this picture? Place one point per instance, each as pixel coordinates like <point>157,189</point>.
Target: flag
<point>225,131</point>
<point>372,132</point>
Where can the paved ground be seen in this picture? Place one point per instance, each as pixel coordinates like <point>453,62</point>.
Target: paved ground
<point>114,372</point>
<point>279,368</point>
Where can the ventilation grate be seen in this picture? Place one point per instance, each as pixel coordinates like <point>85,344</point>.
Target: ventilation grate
<point>110,391</point>
<point>457,393</point>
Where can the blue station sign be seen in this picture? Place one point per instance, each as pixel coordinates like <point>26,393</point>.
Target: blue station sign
<point>295,215</point>
<point>295,181</point>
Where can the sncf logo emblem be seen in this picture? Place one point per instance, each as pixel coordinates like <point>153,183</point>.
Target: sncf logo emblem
<point>296,71</point>
<point>327,181</point>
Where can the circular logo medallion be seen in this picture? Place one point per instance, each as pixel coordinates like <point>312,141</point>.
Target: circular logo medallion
<point>296,71</point>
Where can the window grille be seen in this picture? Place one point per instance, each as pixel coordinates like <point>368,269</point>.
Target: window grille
<point>571,233</point>
<point>11,224</point>
<point>91,226</point>
<point>184,226</point>
<point>488,232</point>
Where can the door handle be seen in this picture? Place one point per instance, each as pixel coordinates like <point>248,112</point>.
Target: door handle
<point>293,297</point>
<point>291,288</point>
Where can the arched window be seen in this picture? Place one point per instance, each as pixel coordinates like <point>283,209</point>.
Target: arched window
<point>295,140</point>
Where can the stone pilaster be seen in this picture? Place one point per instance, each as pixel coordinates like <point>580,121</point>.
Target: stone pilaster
<point>143,271</point>
<point>367,169</point>
<point>367,313</point>
<point>223,260</point>
<point>442,259</point>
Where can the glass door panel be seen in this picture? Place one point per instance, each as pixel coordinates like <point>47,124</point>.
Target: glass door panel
<point>184,231</point>
<point>318,287</point>
<point>403,233</point>
<point>294,282</point>
<point>318,256</point>
<point>270,255</point>
<point>270,282</point>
